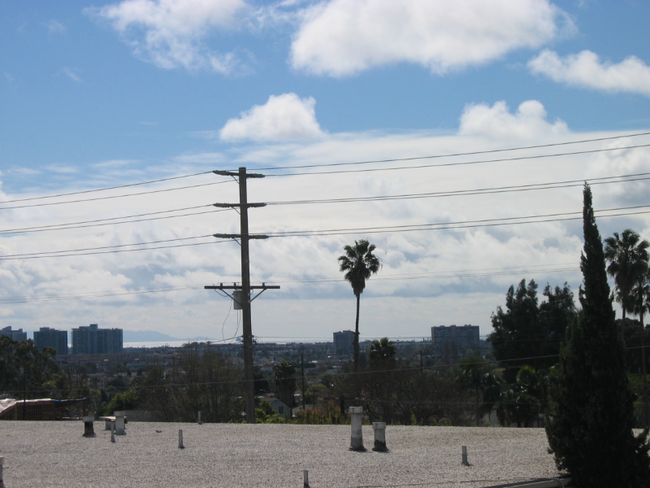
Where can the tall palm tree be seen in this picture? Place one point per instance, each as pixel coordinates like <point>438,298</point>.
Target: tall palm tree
<point>627,255</point>
<point>358,263</point>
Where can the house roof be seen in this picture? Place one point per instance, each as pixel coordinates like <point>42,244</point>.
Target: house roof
<point>55,454</point>
<point>39,409</point>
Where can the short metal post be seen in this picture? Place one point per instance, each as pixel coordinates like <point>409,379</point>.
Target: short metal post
<point>200,423</point>
<point>2,461</point>
<point>112,431</point>
<point>356,422</point>
<point>180,439</point>
<point>305,474</point>
<point>465,463</point>
<point>380,436</point>
<point>89,426</point>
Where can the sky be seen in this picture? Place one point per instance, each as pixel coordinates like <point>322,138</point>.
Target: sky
<point>454,136</point>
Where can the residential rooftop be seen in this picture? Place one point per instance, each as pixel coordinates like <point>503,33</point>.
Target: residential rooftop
<point>55,454</point>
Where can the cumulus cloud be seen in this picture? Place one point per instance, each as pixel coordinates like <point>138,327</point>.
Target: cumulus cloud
<point>585,69</point>
<point>170,33</point>
<point>344,37</point>
<point>496,121</point>
<point>285,117</point>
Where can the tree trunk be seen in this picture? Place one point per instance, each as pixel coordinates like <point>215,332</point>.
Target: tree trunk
<point>644,416</point>
<point>356,337</point>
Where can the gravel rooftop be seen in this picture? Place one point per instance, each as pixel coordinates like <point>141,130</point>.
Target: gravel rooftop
<point>55,454</point>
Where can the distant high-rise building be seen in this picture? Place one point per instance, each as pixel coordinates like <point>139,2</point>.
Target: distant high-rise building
<point>453,342</point>
<point>93,340</point>
<point>16,335</point>
<point>56,339</point>
<point>344,342</point>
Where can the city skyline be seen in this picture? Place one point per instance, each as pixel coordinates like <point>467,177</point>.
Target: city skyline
<point>456,138</point>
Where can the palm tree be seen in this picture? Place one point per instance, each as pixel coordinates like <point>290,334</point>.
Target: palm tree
<point>358,263</point>
<point>284,377</point>
<point>628,260</point>
<point>381,354</point>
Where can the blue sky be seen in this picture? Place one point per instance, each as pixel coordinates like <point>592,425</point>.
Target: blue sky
<point>107,94</point>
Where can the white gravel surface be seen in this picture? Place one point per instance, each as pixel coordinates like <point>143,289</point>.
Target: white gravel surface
<point>55,454</point>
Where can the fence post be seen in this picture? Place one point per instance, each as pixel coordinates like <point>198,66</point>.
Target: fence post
<point>112,431</point>
<point>305,475</point>
<point>356,422</point>
<point>180,439</point>
<point>200,423</point>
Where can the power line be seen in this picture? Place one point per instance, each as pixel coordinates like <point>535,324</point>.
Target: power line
<point>476,191</point>
<point>92,295</point>
<point>109,221</point>
<point>4,205</point>
<point>464,163</point>
<point>118,187</point>
<point>529,219</point>
<point>459,154</point>
<point>107,249</point>
<point>556,267</point>
<point>109,197</point>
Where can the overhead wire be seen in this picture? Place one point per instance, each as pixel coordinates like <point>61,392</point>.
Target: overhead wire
<point>116,248</point>
<point>397,277</point>
<point>112,220</point>
<point>475,191</point>
<point>4,205</point>
<point>529,219</point>
<point>458,154</point>
<point>117,187</point>
<point>544,218</point>
<point>109,197</point>
<point>462,163</point>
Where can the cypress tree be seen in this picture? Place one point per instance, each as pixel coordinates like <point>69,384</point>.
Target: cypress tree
<point>591,414</point>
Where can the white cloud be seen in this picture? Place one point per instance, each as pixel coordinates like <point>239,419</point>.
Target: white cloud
<point>344,37</point>
<point>429,277</point>
<point>55,27</point>
<point>70,73</point>
<point>284,117</point>
<point>497,122</point>
<point>114,164</point>
<point>62,169</point>
<point>170,33</point>
<point>585,69</point>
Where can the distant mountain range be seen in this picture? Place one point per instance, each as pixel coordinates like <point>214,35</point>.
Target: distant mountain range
<point>147,336</point>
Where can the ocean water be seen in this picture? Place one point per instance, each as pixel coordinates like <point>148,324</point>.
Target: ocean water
<point>156,344</point>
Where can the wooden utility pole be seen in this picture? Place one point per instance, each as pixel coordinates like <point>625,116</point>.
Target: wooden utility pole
<point>245,299</point>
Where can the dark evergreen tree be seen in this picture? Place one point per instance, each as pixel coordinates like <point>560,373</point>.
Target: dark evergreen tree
<point>528,333</point>
<point>284,377</point>
<point>591,416</point>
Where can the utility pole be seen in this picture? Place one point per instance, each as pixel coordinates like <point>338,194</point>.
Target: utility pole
<point>245,297</point>
<point>302,375</point>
